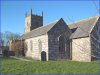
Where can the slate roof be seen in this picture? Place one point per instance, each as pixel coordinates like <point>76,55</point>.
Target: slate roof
<point>39,31</point>
<point>83,27</point>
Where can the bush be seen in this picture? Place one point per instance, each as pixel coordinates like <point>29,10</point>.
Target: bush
<point>5,53</point>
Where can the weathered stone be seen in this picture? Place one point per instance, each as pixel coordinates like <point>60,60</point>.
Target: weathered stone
<point>81,49</point>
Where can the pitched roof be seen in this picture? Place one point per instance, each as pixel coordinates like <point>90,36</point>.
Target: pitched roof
<point>39,31</point>
<point>84,27</point>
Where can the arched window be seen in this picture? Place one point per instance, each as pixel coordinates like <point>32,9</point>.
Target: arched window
<point>61,44</point>
<point>25,47</point>
<point>31,45</point>
<point>40,45</point>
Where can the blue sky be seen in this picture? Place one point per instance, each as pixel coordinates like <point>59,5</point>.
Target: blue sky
<point>13,12</point>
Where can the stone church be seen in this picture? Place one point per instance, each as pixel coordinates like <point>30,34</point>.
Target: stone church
<point>77,41</point>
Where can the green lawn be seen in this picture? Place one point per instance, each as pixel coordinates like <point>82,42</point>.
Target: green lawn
<point>14,66</point>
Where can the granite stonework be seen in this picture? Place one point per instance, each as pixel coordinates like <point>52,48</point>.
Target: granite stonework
<point>81,49</point>
<point>58,38</point>
<point>32,22</point>
<point>94,38</point>
<point>35,52</point>
<point>50,43</point>
<point>77,41</point>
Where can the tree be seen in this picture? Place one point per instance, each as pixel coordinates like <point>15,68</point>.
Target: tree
<point>7,36</point>
<point>18,47</point>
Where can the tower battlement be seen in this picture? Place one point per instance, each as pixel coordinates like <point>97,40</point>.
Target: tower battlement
<point>32,21</point>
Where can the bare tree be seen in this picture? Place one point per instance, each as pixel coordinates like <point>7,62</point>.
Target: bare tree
<point>18,47</point>
<point>7,36</point>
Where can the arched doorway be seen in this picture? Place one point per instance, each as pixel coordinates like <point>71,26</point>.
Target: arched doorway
<point>43,56</point>
<point>62,47</point>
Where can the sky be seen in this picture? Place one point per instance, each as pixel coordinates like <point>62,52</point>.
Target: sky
<point>13,12</point>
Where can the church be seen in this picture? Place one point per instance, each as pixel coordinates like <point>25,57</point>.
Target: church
<point>58,40</point>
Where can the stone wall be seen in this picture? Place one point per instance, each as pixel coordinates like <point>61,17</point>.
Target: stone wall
<point>36,21</point>
<point>60,29</point>
<point>33,22</point>
<point>95,42</point>
<point>35,53</point>
<point>81,49</point>
<point>53,47</point>
<point>27,24</point>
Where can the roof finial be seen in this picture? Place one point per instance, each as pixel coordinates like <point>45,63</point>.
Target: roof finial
<point>31,11</point>
<point>42,13</point>
<point>26,14</point>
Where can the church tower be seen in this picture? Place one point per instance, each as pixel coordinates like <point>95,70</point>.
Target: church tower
<point>32,21</point>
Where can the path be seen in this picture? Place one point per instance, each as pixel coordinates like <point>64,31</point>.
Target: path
<point>20,58</point>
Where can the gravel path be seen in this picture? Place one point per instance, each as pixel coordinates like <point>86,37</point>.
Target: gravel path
<point>20,58</point>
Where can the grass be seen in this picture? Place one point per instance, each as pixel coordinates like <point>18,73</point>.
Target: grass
<point>14,66</point>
